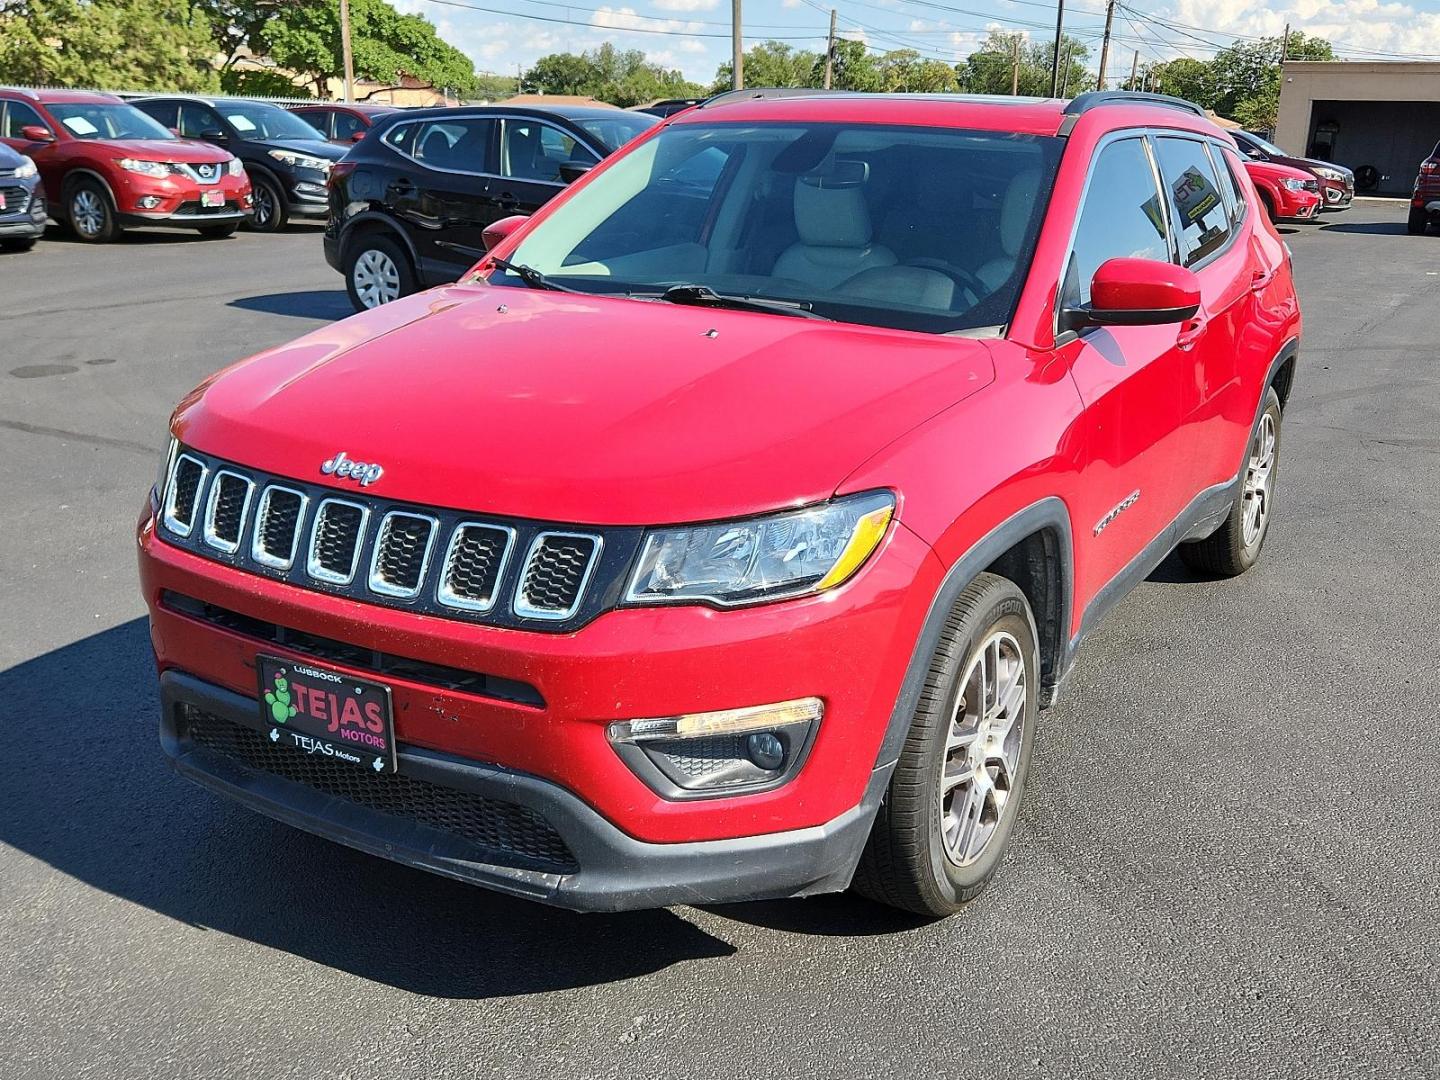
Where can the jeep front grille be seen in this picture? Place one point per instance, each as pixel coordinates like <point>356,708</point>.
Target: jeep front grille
<point>440,561</point>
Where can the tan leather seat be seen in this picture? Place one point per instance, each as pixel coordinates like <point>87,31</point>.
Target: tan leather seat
<point>835,235</point>
<point>1015,214</point>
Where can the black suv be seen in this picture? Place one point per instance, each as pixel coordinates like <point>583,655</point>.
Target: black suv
<point>22,202</point>
<point>409,203</point>
<point>287,159</point>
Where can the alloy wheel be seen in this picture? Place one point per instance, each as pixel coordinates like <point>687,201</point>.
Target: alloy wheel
<point>264,212</point>
<point>982,748</point>
<point>1259,482</point>
<point>376,278</point>
<point>87,213</point>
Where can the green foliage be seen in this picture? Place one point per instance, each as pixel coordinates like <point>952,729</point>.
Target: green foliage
<point>854,68</point>
<point>111,44</point>
<point>990,69</point>
<point>905,71</point>
<point>260,82</point>
<point>621,77</point>
<point>772,63</point>
<point>1241,82</point>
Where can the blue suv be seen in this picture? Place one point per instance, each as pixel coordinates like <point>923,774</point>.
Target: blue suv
<point>22,202</point>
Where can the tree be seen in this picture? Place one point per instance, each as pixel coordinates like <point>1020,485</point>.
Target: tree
<point>990,68</point>
<point>853,68</point>
<point>114,44</point>
<point>772,63</point>
<point>621,77</point>
<point>1246,76</point>
<point>906,71</point>
<point>1186,78</point>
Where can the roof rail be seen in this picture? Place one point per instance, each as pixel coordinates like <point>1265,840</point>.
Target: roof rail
<point>760,93</point>
<point>1097,98</point>
<point>29,93</point>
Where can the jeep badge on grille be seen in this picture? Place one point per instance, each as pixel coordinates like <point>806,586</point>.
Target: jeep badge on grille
<point>345,468</point>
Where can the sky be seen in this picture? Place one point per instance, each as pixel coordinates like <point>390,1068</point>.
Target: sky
<point>694,35</point>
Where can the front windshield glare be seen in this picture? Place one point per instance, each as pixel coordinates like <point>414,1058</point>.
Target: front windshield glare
<point>108,122</point>
<point>914,228</point>
<point>257,121</point>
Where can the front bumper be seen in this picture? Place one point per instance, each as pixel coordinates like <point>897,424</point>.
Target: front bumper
<point>28,220</point>
<point>599,868</point>
<point>308,199</point>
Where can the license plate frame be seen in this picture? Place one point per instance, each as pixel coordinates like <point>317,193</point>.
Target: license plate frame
<point>326,713</point>
<point>212,199</point>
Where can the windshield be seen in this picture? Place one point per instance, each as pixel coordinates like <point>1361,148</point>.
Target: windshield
<point>613,132</point>
<point>907,227</point>
<point>104,121</point>
<point>1268,147</point>
<point>254,120</point>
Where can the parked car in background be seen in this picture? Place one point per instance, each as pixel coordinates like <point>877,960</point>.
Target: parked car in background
<point>408,205</point>
<point>722,535</point>
<point>22,200</point>
<point>1425,196</point>
<point>1288,194</point>
<point>342,124</point>
<point>106,165</point>
<point>669,107</point>
<point>1337,183</point>
<point>288,160</point>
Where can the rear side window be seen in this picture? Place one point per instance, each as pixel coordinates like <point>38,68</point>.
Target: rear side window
<point>531,150</point>
<point>1231,166</point>
<point>1200,214</point>
<point>454,145</point>
<point>347,125</point>
<point>1122,217</point>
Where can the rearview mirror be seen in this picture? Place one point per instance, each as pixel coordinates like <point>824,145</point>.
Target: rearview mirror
<point>496,233</point>
<point>570,171</point>
<point>37,133</point>
<point>1137,292</point>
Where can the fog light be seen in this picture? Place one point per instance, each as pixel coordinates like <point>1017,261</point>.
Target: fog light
<point>148,202</point>
<point>719,753</point>
<point>765,750</point>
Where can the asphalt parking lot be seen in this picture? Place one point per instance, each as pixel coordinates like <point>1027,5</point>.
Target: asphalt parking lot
<point>1228,862</point>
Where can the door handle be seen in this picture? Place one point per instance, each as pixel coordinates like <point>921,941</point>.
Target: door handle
<point>1191,331</point>
<point>403,186</point>
<point>1260,279</point>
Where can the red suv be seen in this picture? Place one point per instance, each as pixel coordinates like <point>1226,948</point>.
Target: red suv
<point>342,124</point>
<point>723,532</point>
<point>1425,198</point>
<point>106,165</point>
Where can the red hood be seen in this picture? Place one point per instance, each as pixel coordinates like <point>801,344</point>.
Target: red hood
<point>1276,171</point>
<point>192,153</point>
<point>582,409</point>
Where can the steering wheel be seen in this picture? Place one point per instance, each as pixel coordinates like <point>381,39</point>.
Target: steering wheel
<point>964,278</point>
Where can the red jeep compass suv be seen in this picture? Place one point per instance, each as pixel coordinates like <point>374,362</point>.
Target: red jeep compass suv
<point>106,165</point>
<point>722,533</point>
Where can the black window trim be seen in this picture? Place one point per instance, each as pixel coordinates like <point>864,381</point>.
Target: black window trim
<point>1204,141</point>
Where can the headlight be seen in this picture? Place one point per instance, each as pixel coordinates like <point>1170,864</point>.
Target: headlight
<point>158,492</point>
<point>236,167</point>
<point>1293,185</point>
<point>301,161</point>
<point>1330,174</point>
<point>775,557</point>
<point>25,169</point>
<point>157,169</point>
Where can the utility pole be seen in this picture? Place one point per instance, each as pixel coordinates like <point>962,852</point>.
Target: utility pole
<point>1015,67</point>
<point>1134,69</point>
<point>830,51</point>
<point>345,51</point>
<point>737,48</point>
<point>1285,45</point>
<point>1065,78</point>
<point>1055,59</point>
<point>1105,43</point>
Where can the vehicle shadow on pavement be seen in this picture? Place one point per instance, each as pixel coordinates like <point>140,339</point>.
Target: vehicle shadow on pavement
<point>95,800</point>
<point>1386,228</point>
<point>310,304</point>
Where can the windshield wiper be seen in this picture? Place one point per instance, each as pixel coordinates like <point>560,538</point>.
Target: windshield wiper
<point>532,278</point>
<point>704,296</point>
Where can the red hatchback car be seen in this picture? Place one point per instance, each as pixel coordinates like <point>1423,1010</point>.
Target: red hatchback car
<point>106,166</point>
<point>723,533</point>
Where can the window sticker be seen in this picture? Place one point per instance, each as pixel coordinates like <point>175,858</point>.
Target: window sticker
<point>79,125</point>
<point>1195,196</point>
<point>242,123</point>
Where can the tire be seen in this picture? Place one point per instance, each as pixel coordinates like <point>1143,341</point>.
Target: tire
<point>219,232</point>
<point>89,213</point>
<point>1235,546</point>
<point>18,246</point>
<point>377,271</point>
<point>926,853</point>
<point>1418,222</point>
<point>1269,205</point>
<point>269,212</point>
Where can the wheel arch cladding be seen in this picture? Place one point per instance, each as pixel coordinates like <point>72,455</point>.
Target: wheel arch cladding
<point>370,224</point>
<point>1033,548</point>
<point>83,172</point>
<point>1284,377</point>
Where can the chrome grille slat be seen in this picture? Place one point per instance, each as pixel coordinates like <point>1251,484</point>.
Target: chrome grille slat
<point>402,553</point>
<point>335,541</point>
<point>226,510</point>
<point>447,563</point>
<point>474,565</point>
<point>557,569</point>
<point>278,520</point>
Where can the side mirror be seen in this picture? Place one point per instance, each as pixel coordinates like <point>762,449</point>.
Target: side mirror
<point>358,135</point>
<point>37,133</point>
<point>214,135</point>
<point>570,171</point>
<point>1137,292</point>
<point>496,233</point>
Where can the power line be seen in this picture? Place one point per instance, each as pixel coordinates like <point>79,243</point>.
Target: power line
<point>607,26</point>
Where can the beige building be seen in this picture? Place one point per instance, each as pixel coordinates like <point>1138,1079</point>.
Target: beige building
<point>1379,118</point>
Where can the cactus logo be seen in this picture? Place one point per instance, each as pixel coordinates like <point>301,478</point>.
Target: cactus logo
<point>282,708</point>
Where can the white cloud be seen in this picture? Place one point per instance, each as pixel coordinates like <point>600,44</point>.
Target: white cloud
<point>626,18</point>
<point>687,5</point>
